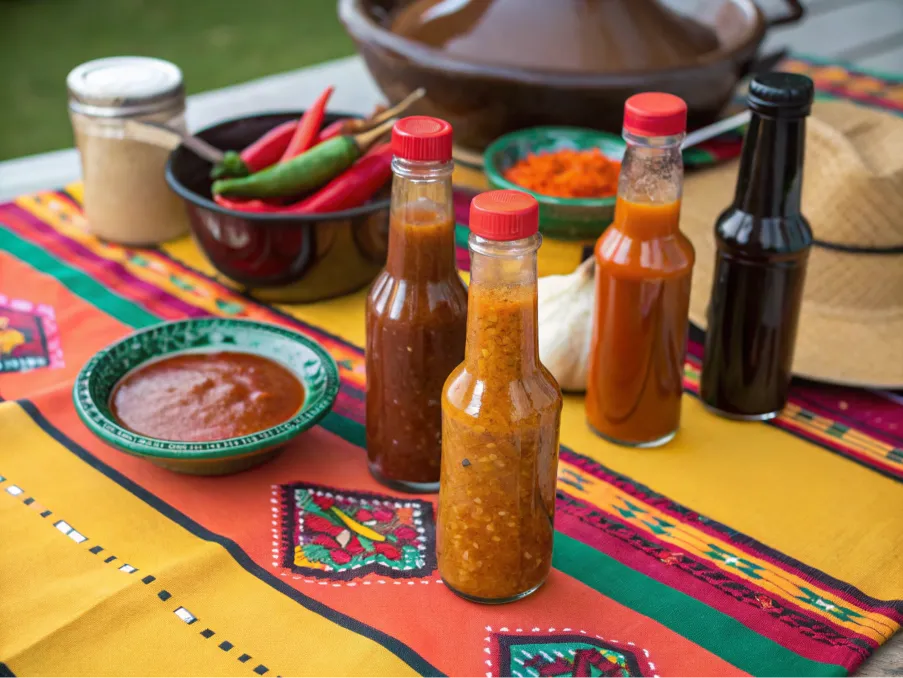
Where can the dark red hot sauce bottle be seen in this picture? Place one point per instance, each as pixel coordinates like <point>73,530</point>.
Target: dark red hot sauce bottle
<point>763,244</point>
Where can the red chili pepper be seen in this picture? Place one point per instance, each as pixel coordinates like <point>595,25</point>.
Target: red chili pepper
<point>352,188</point>
<point>308,127</point>
<point>268,149</point>
<point>333,129</point>
<point>256,206</point>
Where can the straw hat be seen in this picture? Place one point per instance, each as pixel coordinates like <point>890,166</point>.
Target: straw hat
<point>851,328</point>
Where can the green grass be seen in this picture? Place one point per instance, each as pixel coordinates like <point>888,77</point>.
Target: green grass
<point>215,42</point>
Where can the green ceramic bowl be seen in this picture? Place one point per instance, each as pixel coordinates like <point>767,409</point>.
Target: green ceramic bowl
<point>306,359</point>
<point>562,218</point>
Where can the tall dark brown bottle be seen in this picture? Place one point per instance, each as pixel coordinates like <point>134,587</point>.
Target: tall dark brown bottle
<point>763,244</point>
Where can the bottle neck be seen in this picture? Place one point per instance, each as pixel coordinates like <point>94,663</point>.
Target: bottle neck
<point>770,181</point>
<point>652,170</point>
<point>649,188</point>
<point>422,223</point>
<point>502,325</point>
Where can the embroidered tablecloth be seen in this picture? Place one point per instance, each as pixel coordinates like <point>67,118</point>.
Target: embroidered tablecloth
<point>738,549</point>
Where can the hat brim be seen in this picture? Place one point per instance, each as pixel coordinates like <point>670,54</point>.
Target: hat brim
<point>829,349</point>
<point>831,346</point>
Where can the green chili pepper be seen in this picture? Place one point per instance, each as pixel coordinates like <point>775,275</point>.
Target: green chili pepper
<point>304,172</point>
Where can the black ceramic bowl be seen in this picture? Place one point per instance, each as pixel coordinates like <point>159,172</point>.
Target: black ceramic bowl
<point>284,258</point>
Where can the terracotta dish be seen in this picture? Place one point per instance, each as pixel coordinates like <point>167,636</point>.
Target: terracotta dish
<point>493,66</point>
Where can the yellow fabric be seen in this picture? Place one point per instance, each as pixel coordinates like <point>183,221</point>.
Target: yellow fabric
<point>76,612</point>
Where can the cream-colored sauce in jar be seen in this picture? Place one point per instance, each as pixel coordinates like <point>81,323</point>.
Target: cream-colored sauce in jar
<point>126,199</point>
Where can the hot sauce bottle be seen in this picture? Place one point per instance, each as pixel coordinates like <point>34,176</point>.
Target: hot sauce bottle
<point>416,312</point>
<point>763,244</point>
<point>643,269</point>
<point>501,415</point>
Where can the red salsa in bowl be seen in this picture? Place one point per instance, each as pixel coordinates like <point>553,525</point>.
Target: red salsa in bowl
<point>200,397</point>
<point>206,396</point>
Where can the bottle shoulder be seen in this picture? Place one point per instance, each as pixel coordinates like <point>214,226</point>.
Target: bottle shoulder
<point>749,233</point>
<point>406,299</point>
<point>668,256</point>
<point>468,396</point>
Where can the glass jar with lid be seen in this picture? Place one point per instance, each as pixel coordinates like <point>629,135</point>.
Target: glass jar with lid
<point>126,199</point>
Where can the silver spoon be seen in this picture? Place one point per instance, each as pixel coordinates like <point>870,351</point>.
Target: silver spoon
<point>697,136</point>
<point>716,128</point>
<point>164,136</point>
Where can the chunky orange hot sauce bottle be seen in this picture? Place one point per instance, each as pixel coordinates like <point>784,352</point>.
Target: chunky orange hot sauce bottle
<point>501,415</point>
<point>643,269</point>
<point>416,312</point>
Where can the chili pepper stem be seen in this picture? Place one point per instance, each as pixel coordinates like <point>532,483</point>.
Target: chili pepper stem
<point>400,107</point>
<point>365,139</point>
<point>364,124</point>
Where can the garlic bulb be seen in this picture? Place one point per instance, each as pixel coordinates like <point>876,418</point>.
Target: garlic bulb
<point>566,324</point>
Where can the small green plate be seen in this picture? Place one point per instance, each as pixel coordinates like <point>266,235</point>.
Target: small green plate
<point>306,359</point>
<point>562,218</point>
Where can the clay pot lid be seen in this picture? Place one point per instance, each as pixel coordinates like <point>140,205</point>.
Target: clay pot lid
<point>583,36</point>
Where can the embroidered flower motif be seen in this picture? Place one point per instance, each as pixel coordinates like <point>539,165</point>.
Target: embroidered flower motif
<point>344,535</point>
<point>524,655</point>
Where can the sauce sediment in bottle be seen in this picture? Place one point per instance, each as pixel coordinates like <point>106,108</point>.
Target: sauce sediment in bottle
<point>416,312</point>
<point>416,316</point>
<point>501,412</point>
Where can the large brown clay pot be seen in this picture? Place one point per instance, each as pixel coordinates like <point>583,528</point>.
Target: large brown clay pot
<point>492,66</point>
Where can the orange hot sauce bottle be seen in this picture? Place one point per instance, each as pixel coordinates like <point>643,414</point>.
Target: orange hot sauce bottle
<point>501,418</point>
<point>643,270</point>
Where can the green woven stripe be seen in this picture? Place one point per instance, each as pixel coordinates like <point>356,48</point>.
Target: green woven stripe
<point>837,430</point>
<point>77,282</point>
<point>713,630</point>
<point>462,233</point>
<point>345,428</point>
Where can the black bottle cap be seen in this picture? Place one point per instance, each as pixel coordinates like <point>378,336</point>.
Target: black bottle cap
<point>781,95</point>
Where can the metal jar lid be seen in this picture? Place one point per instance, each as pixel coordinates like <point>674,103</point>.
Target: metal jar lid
<point>119,87</point>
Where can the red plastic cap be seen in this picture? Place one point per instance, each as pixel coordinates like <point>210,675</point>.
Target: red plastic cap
<point>504,215</point>
<point>420,137</point>
<point>655,114</point>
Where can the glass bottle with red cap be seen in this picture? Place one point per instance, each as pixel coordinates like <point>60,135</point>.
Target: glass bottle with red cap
<point>643,270</point>
<point>416,312</point>
<point>501,414</point>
